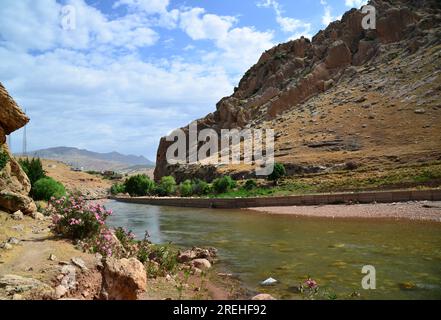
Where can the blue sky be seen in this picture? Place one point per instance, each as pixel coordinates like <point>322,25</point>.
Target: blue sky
<point>124,73</point>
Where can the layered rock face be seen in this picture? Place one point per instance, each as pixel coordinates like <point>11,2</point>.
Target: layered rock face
<point>14,184</point>
<point>319,94</point>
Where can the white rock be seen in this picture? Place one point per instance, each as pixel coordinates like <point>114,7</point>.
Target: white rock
<point>269,282</point>
<point>18,215</point>
<point>38,216</point>
<point>201,264</point>
<point>79,263</point>
<point>263,296</point>
<point>6,246</point>
<point>13,240</point>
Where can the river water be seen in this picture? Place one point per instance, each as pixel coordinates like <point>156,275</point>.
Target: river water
<point>406,255</point>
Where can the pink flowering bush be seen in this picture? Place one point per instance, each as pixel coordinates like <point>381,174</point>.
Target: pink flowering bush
<point>74,218</point>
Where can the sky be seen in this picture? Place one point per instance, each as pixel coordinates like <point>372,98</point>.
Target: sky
<point>118,75</point>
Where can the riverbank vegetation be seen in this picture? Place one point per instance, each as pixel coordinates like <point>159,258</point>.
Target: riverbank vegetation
<point>279,184</point>
<point>42,186</point>
<point>85,223</point>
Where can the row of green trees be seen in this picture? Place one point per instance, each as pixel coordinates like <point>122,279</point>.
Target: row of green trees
<point>42,186</point>
<point>142,185</point>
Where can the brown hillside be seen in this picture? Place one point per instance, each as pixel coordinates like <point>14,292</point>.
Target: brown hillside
<point>349,95</point>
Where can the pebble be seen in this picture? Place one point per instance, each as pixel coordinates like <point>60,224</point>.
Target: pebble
<point>6,246</point>
<point>17,215</point>
<point>79,263</point>
<point>13,240</point>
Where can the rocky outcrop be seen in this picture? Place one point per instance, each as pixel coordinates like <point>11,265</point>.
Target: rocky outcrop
<point>289,75</point>
<point>14,184</point>
<point>14,284</point>
<point>11,117</point>
<point>123,279</point>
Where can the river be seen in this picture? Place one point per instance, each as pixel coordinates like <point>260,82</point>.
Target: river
<point>406,255</point>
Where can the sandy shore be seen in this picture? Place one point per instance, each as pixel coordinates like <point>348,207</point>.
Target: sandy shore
<point>422,211</point>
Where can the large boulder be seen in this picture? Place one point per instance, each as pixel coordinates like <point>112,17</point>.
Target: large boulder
<point>339,55</point>
<point>14,184</point>
<point>123,279</point>
<point>11,117</point>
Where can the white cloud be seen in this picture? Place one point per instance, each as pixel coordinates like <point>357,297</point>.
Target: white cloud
<point>36,25</point>
<point>327,17</point>
<point>92,87</point>
<point>200,25</point>
<point>355,3</point>
<point>158,8</point>
<point>149,6</point>
<point>287,24</point>
<point>239,48</point>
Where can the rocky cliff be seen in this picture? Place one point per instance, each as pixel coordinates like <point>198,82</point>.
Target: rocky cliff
<point>348,94</point>
<point>14,184</point>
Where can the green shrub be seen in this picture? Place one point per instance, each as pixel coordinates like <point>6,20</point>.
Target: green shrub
<point>33,169</point>
<point>224,184</point>
<point>166,187</point>
<point>250,185</point>
<point>139,185</point>
<point>201,188</point>
<point>186,189</point>
<point>117,188</point>
<point>165,255</point>
<point>45,188</point>
<point>4,158</point>
<point>278,172</point>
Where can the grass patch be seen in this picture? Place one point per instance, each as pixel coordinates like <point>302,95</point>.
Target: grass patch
<point>414,176</point>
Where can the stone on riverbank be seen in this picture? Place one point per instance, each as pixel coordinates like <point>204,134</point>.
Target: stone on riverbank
<point>202,264</point>
<point>123,279</point>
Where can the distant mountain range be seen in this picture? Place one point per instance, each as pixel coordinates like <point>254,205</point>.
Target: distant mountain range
<point>89,160</point>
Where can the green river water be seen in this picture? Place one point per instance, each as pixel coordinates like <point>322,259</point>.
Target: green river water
<point>254,247</point>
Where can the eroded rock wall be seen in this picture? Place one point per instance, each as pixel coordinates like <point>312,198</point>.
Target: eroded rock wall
<point>14,184</point>
<point>292,73</point>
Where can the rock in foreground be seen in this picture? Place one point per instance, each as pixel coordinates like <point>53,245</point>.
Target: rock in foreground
<point>123,279</point>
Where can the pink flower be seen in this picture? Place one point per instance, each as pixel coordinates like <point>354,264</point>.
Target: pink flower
<point>312,284</point>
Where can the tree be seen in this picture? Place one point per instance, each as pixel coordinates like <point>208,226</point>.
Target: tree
<point>186,189</point>
<point>201,188</point>
<point>33,169</point>
<point>139,185</point>
<point>117,188</point>
<point>250,184</point>
<point>166,187</point>
<point>224,184</point>
<point>278,172</point>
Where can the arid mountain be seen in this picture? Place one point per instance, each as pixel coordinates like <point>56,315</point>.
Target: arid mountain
<point>92,160</point>
<point>349,95</point>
